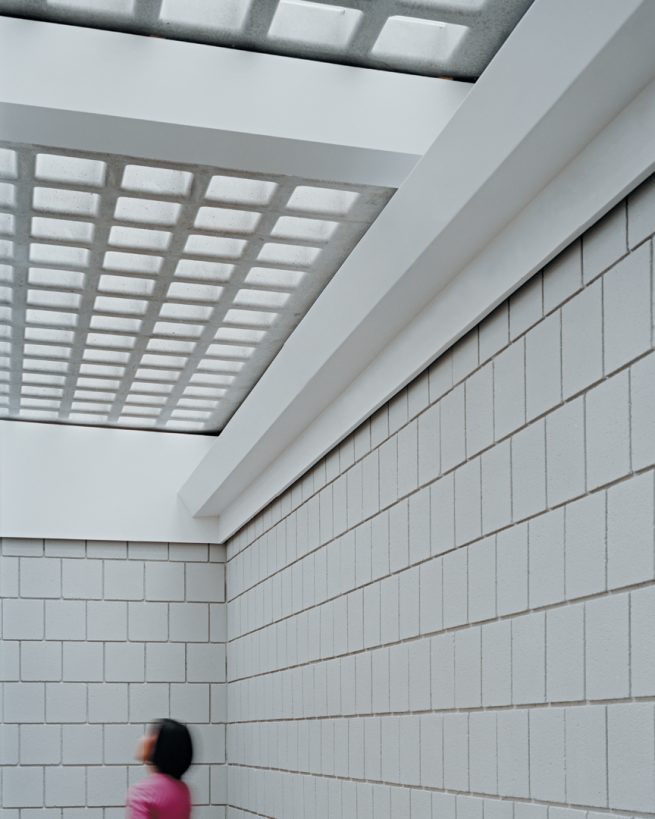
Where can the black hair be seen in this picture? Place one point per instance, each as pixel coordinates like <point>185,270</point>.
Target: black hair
<point>173,752</point>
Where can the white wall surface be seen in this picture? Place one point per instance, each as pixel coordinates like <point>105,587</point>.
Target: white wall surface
<point>103,484</point>
<point>98,640</point>
<point>452,614</point>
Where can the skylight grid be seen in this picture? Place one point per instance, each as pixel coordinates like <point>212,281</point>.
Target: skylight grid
<point>437,38</point>
<point>158,302</point>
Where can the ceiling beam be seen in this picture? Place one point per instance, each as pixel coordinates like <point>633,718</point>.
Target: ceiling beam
<point>540,148</point>
<point>92,90</point>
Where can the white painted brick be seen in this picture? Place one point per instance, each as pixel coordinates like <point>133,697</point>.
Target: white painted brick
<point>148,621</point>
<point>10,661</point>
<point>483,754</point>
<point>206,663</point>
<point>106,620</point>
<point>9,746</point>
<point>189,622</point>
<point>408,458</point>
<point>21,547</point>
<point>627,309</point>
<point>65,702</point>
<point>388,456</point>
<point>81,578</point>
<point>398,678</point>
<point>582,340</point>
<point>456,757</point>
<point>147,551</point>
<point>355,497</point>
<point>563,276</point>
<point>547,773</point>
<point>397,416</point>
<point>512,569</point>
<point>120,742</point>
<point>24,702</point>
<point>630,531</point>
<point>190,552</point>
<point>642,400</point>
<point>586,756</point>
<point>442,665</point>
<point>529,471</point>
<point>106,786</point>
<point>482,579</point>
<point>546,557</point>
<point>468,668</point>
<point>493,332</point>
<point>465,355</point>
<point>22,619</point>
<point>379,430</point>
<point>419,675</point>
<point>205,583</point>
<point>123,581</point>
<point>108,549</point>
<point>468,508</point>
<point>529,658</point>
<point>565,453</point>
<point>631,744</point>
<point>430,596</point>
<point>608,431</point>
<point>152,698</point>
<point>8,577</point>
<point>419,525</point>
<point>499,809</point>
<point>440,376</point>
<point>370,485</point>
<point>604,243</point>
<point>217,623</point>
<point>525,306</point>
<point>455,591</point>
<point>409,747</point>
<point>429,445</point>
<point>509,389</point>
<point>642,618</point>
<point>479,410</point>
<point>399,536</point>
<point>372,616</point>
<point>432,750</point>
<point>107,702</point>
<point>543,366</point>
<point>390,754</point>
<point>496,487</point>
<point>22,787</point>
<point>124,662</point>
<point>82,744</point>
<point>641,213</point>
<point>565,654</point>
<point>389,608</point>
<point>40,661</point>
<point>607,647</point>
<point>453,440</point>
<point>165,581</point>
<point>65,620</point>
<point>40,577</point>
<point>83,662</point>
<point>497,664</point>
<point>65,786</point>
<point>165,662</point>
<point>442,517</point>
<point>65,548</point>
<point>40,744</point>
<point>363,683</point>
<point>585,546</point>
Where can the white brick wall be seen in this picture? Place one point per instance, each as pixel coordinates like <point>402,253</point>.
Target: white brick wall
<point>452,615</point>
<point>98,639</point>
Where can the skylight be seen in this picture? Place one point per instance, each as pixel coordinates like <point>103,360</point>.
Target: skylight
<point>143,295</point>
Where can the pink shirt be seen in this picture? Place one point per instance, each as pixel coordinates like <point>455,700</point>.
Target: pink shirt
<point>159,797</point>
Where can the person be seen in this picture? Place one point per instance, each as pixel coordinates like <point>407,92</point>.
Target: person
<point>167,750</point>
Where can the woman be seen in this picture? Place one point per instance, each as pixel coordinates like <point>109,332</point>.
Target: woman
<point>168,751</point>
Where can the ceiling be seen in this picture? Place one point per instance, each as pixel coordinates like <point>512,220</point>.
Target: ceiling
<point>436,38</point>
<point>150,296</point>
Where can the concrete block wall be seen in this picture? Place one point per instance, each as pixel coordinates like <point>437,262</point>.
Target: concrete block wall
<point>98,639</point>
<point>453,614</point>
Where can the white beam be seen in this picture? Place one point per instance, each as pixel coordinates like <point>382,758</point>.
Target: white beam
<point>83,483</point>
<point>496,196</point>
<point>105,91</point>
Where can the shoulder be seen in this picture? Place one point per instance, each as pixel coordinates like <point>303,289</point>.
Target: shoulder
<point>139,800</point>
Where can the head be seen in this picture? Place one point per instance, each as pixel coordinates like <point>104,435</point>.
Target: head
<point>167,747</point>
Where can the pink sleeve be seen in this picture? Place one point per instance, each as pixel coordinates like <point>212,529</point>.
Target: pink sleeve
<point>137,804</point>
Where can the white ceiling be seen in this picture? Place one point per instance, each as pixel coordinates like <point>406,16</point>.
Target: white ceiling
<point>149,296</point>
<point>452,38</point>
